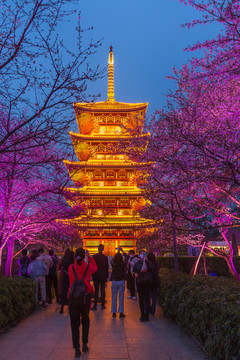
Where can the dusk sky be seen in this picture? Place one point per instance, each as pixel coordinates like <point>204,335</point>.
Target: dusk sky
<point>147,41</point>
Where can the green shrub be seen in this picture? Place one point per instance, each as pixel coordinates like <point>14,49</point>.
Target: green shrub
<point>214,264</point>
<point>17,299</point>
<point>208,308</point>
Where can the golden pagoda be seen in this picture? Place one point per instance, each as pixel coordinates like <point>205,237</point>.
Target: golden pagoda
<point>107,181</point>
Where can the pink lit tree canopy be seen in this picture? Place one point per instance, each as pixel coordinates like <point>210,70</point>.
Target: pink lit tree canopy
<point>40,78</point>
<point>196,140</point>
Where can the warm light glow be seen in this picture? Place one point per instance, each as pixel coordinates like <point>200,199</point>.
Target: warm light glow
<point>105,178</point>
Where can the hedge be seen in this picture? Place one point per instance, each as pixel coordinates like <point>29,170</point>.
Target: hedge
<point>207,308</point>
<point>17,299</point>
<point>214,264</point>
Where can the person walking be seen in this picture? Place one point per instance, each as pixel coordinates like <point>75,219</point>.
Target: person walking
<point>81,266</point>
<point>142,271</point>
<point>155,282</point>
<point>67,260</point>
<point>53,281</point>
<point>133,259</point>
<point>100,276</point>
<point>47,260</point>
<point>23,263</point>
<point>119,274</point>
<point>37,270</point>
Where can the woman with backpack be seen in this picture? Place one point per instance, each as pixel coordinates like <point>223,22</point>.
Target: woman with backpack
<point>82,269</point>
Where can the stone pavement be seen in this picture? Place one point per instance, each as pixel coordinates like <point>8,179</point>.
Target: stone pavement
<point>46,335</point>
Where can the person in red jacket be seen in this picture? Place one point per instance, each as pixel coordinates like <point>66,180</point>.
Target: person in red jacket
<point>81,262</point>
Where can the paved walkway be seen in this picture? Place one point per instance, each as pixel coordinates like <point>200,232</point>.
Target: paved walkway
<point>46,335</point>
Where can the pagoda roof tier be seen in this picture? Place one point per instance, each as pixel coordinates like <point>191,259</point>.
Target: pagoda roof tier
<point>106,191</point>
<point>107,106</point>
<point>111,222</point>
<point>91,164</point>
<point>106,137</point>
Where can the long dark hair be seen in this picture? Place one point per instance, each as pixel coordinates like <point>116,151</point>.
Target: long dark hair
<point>118,258</point>
<point>79,255</point>
<point>67,253</point>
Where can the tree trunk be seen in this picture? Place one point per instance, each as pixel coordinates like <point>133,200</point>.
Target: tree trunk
<point>8,265</point>
<point>205,263</point>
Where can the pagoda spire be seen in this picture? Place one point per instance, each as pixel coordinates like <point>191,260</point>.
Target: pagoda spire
<point>110,76</point>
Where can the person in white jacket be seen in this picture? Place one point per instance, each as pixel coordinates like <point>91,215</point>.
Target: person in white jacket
<point>47,260</point>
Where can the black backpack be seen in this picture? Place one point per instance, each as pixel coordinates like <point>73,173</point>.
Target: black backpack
<point>78,293</point>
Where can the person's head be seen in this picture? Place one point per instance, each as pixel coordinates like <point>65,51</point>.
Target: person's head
<point>79,255</point>
<point>100,248</point>
<point>33,256</point>
<point>152,257</point>
<point>35,253</point>
<point>118,258</point>
<point>131,253</point>
<point>67,253</point>
<point>41,251</point>
<point>142,254</point>
<point>51,252</point>
<point>24,252</point>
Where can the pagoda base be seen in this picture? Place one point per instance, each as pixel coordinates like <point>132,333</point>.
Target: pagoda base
<point>110,245</point>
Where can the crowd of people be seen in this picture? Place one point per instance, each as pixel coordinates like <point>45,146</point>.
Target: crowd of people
<point>75,271</point>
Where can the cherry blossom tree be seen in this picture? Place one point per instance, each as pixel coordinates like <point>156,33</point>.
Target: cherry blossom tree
<point>195,140</point>
<point>41,75</point>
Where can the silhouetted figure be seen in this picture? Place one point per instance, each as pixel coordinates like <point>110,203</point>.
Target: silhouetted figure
<point>82,265</point>
<point>100,276</point>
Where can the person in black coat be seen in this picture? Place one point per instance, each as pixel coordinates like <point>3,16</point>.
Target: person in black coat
<point>100,276</point>
<point>67,260</point>
<point>155,282</point>
<point>142,271</point>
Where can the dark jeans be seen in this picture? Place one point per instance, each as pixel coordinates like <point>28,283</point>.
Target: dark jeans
<point>48,289</point>
<point>144,299</point>
<point>100,284</point>
<point>52,281</point>
<point>154,292</point>
<point>75,313</point>
<point>131,282</point>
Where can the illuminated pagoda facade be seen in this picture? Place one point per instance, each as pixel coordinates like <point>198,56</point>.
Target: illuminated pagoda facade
<point>107,182</point>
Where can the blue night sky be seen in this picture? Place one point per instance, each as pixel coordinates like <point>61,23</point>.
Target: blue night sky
<point>147,41</point>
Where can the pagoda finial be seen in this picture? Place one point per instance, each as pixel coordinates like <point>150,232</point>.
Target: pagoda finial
<point>111,76</point>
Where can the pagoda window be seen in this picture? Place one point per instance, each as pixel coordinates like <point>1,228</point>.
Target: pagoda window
<point>110,174</point>
<point>122,183</point>
<point>98,174</point>
<point>119,157</point>
<point>124,212</point>
<point>124,202</point>
<point>122,174</point>
<point>110,129</point>
<point>102,129</point>
<point>110,233</point>
<point>118,129</point>
<point>109,157</point>
<point>101,148</point>
<point>95,202</point>
<point>127,232</point>
<point>109,202</point>
<point>97,212</point>
<point>110,211</point>
<point>100,157</point>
